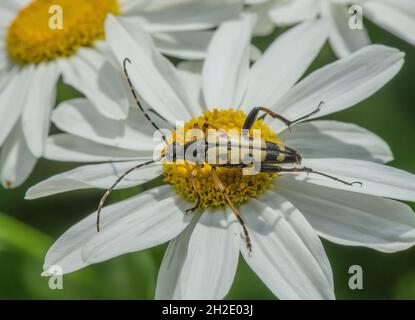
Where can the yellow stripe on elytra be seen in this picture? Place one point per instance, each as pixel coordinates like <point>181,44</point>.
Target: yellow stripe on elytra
<point>281,155</point>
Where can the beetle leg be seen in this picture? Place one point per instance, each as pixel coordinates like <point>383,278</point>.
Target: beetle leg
<point>222,188</point>
<point>207,125</point>
<point>253,115</point>
<point>277,169</point>
<point>192,177</point>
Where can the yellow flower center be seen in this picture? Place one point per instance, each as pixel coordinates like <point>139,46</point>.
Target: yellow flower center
<point>240,187</point>
<point>48,29</point>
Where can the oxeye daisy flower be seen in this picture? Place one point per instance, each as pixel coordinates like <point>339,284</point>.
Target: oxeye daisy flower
<point>285,214</point>
<point>395,16</point>
<point>41,40</point>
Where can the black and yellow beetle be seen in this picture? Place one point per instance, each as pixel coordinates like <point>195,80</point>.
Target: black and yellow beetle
<point>228,151</point>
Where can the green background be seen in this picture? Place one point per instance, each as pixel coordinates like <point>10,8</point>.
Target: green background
<point>28,228</point>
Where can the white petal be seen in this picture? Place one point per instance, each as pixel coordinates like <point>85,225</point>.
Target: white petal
<point>284,62</point>
<point>289,12</point>
<point>9,9</point>
<point>6,17</point>
<point>341,84</point>
<point>103,84</point>
<point>183,45</point>
<point>100,176</point>
<point>352,219</point>
<point>39,103</point>
<point>153,222</point>
<point>264,25</point>
<point>201,262</point>
<point>343,39</point>
<point>377,179</point>
<point>191,15</point>
<point>154,77</point>
<point>4,64</point>
<point>79,117</point>
<point>334,139</point>
<point>16,160</point>
<point>66,252</point>
<point>225,72</point>
<point>287,254</point>
<point>255,2</point>
<point>65,147</point>
<point>13,98</point>
<point>136,7</point>
<point>397,16</point>
<point>193,81</point>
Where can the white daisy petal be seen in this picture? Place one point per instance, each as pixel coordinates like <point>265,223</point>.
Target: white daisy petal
<point>154,222</point>
<point>5,17</point>
<point>16,160</point>
<point>225,72</point>
<point>396,16</point>
<point>341,84</point>
<point>100,176</point>
<point>9,9</point>
<point>13,92</point>
<point>39,103</point>
<point>193,81</point>
<point>191,15</point>
<point>134,7</point>
<point>377,179</point>
<point>154,77</point>
<point>264,25</point>
<point>343,39</point>
<point>289,12</point>
<point>183,45</point>
<point>334,139</point>
<point>79,117</point>
<point>201,262</point>
<point>291,54</point>
<point>66,252</point>
<point>352,219</point>
<point>287,254</point>
<point>90,73</point>
<point>65,147</point>
<point>173,261</point>
<point>4,65</point>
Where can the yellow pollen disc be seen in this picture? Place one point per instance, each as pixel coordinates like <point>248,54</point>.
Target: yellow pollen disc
<point>239,187</point>
<point>30,38</point>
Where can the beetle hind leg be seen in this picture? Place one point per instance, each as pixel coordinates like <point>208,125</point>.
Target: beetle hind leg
<point>278,169</point>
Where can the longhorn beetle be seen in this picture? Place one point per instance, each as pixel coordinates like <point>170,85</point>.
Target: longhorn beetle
<point>272,156</point>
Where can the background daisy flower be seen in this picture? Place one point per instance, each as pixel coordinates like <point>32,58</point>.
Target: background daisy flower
<point>395,16</point>
<point>33,57</point>
<point>288,217</point>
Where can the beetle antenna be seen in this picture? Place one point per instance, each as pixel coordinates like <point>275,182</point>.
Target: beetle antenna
<point>107,193</point>
<point>138,101</point>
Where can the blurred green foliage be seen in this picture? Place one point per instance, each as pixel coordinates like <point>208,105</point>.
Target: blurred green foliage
<point>28,228</point>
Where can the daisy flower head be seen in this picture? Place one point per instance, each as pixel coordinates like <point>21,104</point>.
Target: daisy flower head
<point>284,214</point>
<point>347,32</point>
<point>42,40</point>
